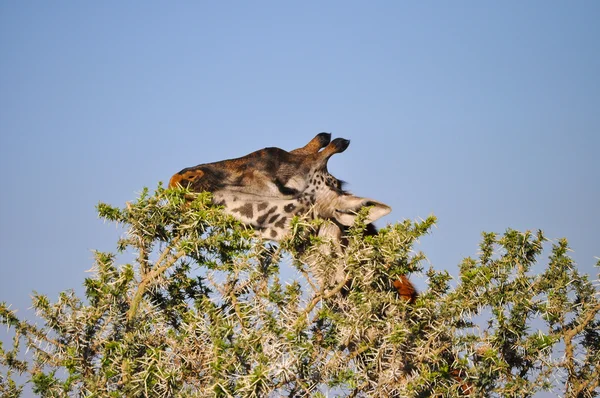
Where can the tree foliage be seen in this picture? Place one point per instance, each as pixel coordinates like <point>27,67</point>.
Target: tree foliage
<point>202,310</point>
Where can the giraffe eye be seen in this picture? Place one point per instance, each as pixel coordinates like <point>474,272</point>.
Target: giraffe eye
<point>285,190</point>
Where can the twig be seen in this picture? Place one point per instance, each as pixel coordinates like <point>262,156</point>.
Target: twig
<point>150,277</point>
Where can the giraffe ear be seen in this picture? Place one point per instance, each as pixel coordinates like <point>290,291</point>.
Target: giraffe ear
<point>348,206</point>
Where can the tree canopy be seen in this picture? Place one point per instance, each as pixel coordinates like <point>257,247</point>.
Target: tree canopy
<point>200,308</point>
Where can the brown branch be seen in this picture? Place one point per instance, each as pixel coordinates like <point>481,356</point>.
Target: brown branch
<point>143,258</point>
<point>236,308</point>
<point>308,280</point>
<point>568,337</point>
<point>579,328</point>
<point>358,389</point>
<point>318,298</point>
<point>167,251</point>
<point>590,384</point>
<point>151,276</point>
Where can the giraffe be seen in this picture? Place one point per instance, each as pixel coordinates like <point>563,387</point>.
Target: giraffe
<point>268,187</point>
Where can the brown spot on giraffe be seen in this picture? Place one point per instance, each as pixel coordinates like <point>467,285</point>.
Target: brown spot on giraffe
<point>281,223</point>
<point>261,220</point>
<point>245,210</point>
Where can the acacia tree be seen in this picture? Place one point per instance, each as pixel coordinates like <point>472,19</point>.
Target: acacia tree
<point>202,310</point>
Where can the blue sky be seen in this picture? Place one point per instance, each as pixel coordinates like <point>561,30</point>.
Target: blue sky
<point>486,114</point>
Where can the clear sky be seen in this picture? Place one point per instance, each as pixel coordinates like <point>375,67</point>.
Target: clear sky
<point>486,114</point>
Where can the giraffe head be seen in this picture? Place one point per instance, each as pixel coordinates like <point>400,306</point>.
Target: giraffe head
<point>266,188</point>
